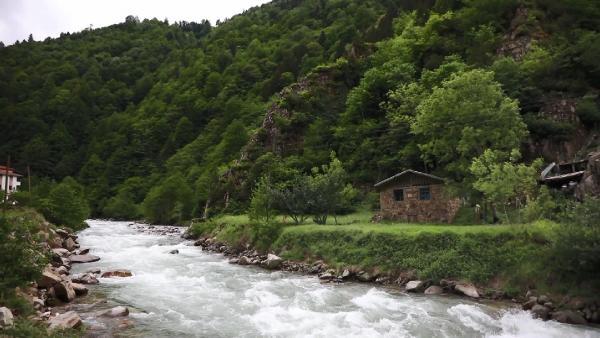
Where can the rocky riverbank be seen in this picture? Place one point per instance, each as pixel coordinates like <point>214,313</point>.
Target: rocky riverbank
<point>54,293</point>
<point>565,310</point>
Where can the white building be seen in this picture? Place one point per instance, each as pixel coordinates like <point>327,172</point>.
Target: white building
<point>13,179</point>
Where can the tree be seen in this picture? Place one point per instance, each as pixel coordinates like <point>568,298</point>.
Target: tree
<point>262,204</point>
<point>66,204</point>
<point>504,182</point>
<point>468,114</point>
<point>169,202</point>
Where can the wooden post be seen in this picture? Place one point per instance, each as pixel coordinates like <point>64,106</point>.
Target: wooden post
<point>29,180</point>
<point>6,185</point>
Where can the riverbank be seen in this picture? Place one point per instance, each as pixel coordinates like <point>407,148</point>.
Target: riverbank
<point>492,262</point>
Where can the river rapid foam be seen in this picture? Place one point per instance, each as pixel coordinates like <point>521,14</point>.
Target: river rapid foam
<point>198,294</point>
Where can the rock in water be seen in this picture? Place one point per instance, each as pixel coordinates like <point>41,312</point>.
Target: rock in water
<point>64,291</point>
<point>540,311</point>
<point>467,290</point>
<point>6,317</point>
<point>67,320</point>
<point>569,317</point>
<point>244,261</point>
<point>413,286</point>
<point>86,278</point>
<point>434,290</point>
<point>83,258</point>
<point>118,311</point>
<point>174,252</point>
<point>117,273</point>
<point>48,279</point>
<point>80,289</point>
<point>272,262</point>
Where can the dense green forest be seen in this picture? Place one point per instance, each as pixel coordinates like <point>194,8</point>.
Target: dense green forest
<point>170,121</point>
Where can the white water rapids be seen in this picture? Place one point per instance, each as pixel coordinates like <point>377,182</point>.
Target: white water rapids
<point>198,294</point>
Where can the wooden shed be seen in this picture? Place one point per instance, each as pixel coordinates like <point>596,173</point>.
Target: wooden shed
<point>413,196</point>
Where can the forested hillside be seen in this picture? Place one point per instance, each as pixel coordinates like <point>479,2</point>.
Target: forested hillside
<point>169,121</point>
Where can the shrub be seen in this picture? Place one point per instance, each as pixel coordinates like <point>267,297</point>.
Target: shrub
<point>169,202</point>
<point>66,204</point>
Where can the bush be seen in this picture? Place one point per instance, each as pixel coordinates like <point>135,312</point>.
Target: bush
<point>122,206</point>
<point>20,260</point>
<point>588,110</point>
<point>577,242</point>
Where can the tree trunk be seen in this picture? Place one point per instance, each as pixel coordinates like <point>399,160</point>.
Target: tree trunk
<point>206,205</point>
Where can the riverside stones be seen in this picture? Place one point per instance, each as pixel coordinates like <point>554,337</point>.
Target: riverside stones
<point>84,258</point>
<point>117,273</point>
<point>540,311</point>
<point>272,262</point>
<point>6,317</point>
<point>467,290</point>
<point>67,320</point>
<point>434,290</point>
<point>48,279</point>
<point>413,286</point>
<point>64,291</point>
<point>69,244</point>
<point>80,289</point>
<point>118,311</point>
<point>86,278</point>
<point>244,261</point>
<point>569,317</point>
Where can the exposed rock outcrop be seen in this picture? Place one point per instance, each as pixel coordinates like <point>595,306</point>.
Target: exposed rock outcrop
<point>67,320</point>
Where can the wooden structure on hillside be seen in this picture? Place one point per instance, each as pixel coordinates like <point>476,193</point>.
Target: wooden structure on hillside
<point>564,175</point>
<point>413,196</point>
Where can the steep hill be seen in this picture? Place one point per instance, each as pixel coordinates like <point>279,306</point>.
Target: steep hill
<point>143,105</point>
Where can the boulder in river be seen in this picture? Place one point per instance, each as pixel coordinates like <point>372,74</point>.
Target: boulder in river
<point>67,320</point>
<point>272,262</point>
<point>434,290</point>
<point>569,317</point>
<point>414,286</point>
<point>540,311</point>
<point>118,311</point>
<point>64,291</point>
<point>117,273</point>
<point>6,317</point>
<point>84,258</point>
<point>467,289</point>
<point>80,289</point>
<point>48,279</point>
<point>174,252</point>
<point>86,278</point>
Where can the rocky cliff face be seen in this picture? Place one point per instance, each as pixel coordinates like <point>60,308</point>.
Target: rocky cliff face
<point>590,182</point>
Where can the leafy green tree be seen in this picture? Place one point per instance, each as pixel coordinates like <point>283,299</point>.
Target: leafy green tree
<point>468,114</point>
<point>169,202</point>
<point>505,182</point>
<point>66,204</point>
<point>262,203</point>
<point>122,206</point>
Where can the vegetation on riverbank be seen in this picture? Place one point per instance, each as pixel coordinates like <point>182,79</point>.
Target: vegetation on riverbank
<point>510,258</point>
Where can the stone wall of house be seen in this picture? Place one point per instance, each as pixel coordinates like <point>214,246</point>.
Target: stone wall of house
<point>438,209</point>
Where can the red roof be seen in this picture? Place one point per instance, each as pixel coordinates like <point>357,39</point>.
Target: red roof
<point>11,171</point>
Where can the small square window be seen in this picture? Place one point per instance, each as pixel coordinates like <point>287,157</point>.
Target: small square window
<point>424,194</point>
<point>399,195</point>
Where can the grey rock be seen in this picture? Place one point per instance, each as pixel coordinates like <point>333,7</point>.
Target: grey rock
<point>61,252</point>
<point>540,311</point>
<point>272,262</point>
<point>48,279</point>
<point>69,244</point>
<point>80,289</point>
<point>118,311</point>
<point>86,278</point>
<point>346,274</point>
<point>244,261</point>
<point>569,317</point>
<point>364,277</point>
<point>413,286</point>
<point>83,258</point>
<point>467,290</point>
<point>434,290</point>
<point>6,317</point>
<point>67,320</point>
<point>96,271</point>
<point>174,252</point>
<point>543,299</point>
<point>64,291</point>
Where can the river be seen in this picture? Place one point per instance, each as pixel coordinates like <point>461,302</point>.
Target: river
<point>198,294</point>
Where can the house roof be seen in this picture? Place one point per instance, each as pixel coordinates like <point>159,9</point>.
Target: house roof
<point>407,172</point>
<point>11,171</point>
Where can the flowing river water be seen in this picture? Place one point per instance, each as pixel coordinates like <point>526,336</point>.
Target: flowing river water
<point>199,294</point>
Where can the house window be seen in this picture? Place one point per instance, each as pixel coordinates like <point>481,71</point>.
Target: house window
<point>424,194</point>
<point>399,195</point>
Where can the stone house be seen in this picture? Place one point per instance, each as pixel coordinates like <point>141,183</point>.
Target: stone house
<point>413,196</point>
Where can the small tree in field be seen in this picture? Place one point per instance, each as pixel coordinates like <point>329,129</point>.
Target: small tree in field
<point>262,204</point>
